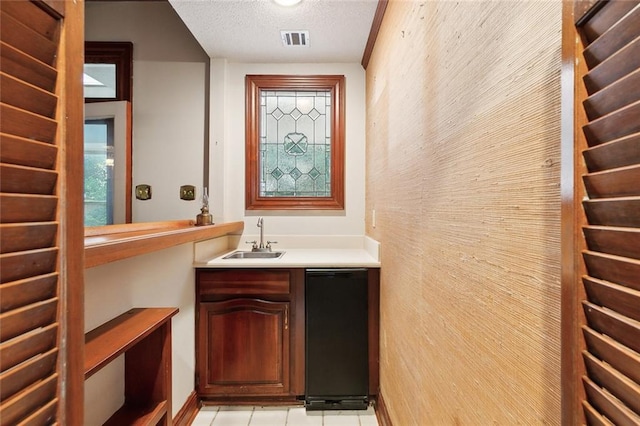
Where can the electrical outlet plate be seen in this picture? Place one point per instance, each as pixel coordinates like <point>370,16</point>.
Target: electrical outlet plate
<point>188,192</point>
<point>143,192</point>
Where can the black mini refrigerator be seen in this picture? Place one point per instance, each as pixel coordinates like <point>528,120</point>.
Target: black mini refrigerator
<point>337,372</point>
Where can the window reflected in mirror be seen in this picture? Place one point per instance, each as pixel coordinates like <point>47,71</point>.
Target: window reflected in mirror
<point>107,81</point>
<point>99,81</point>
<point>107,162</point>
<point>98,172</point>
<point>108,71</point>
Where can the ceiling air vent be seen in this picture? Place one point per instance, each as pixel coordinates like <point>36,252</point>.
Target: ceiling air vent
<point>295,38</point>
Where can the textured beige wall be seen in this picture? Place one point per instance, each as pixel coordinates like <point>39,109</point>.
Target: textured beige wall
<point>463,146</point>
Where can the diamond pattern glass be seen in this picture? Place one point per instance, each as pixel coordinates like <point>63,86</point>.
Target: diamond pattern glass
<point>295,143</point>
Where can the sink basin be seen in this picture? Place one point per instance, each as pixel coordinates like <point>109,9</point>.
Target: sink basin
<point>254,255</point>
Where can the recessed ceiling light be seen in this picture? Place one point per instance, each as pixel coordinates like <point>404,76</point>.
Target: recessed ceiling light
<point>287,2</point>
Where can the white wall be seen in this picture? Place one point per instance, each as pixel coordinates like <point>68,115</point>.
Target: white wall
<point>161,279</point>
<point>228,161</point>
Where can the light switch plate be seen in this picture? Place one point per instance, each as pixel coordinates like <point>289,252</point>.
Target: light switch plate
<point>143,192</point>
<point>188,192</point>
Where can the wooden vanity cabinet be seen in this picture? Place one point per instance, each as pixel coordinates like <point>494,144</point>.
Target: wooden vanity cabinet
<point>250,334</point>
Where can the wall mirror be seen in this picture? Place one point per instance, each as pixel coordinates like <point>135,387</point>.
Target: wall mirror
<point>107,132</point>
<point>167,119</point>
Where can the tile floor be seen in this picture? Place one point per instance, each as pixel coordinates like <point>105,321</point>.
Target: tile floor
<point>282,416</point>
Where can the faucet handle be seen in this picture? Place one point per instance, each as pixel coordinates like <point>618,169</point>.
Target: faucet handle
<point>269,244</point>
<point>254,244</point>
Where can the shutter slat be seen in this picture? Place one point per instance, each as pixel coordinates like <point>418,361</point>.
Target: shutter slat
<point>29,401</point>
<point>614,39</point>
<point>615,269</point>
<point>610,351</point>
<point>27,208</point>
<point>25,96</point>
<point>39,20</point>
<point>23,347</point>
<point>617,326</point>
<point>617,241</point>
<point>26,124</point>
<point>27,373</point>
<point>43,416</point>
<point>605,403</point>
<point>26,180</point>
<point>24,292</point>
<point>55,8</point>
<point>617,66</point>
<point>617,153</point>
<point>615,383</point>
<point>27,68</point>
<point>618,124</point>
<point>25,319</point>
<point>622,212</point>
<point>610,13</point>
<point>25,152</point>
<point>23,38</point>
<point>25,264</point>
<point>27,236</point>
<point>615,96</point>
<point>621,182</point>
<point>594,418</point>
<point>623,300</point>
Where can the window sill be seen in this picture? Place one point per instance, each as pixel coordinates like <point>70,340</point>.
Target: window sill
<point>107,244</point>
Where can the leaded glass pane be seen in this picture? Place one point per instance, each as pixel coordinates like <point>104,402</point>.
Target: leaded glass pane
<point>304,103</point>
<point>271,128</point>
<point>295,143</point>
<point>320,130</point>
<point>305,125</point>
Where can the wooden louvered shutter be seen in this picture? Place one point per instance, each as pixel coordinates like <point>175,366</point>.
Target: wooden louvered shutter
<point>40,212</point>
<point>608,208</point>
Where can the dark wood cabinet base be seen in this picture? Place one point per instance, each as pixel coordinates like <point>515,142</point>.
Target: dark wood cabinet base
<point>250,336</point>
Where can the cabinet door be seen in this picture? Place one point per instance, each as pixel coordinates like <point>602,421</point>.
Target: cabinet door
<point>244,348</point>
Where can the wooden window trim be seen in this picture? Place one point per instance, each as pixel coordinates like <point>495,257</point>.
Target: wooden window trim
<point>119,53</point>
<point>256,83</point>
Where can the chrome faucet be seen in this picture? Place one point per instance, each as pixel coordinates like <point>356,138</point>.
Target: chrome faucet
<point>261,247</point>
<point>261,226</point>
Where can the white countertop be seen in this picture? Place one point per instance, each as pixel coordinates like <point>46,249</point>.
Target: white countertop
<point>300,258</point>
<point>364,254</point>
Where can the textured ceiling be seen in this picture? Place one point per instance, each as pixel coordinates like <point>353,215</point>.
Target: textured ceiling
<point>249,30</point>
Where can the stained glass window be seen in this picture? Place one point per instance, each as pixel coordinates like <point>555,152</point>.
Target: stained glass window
<point>295,151</point>
<point>295,143</point>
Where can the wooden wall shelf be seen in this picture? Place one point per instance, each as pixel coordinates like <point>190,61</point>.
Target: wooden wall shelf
<point>106,244</point>
<point>144,336</point>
